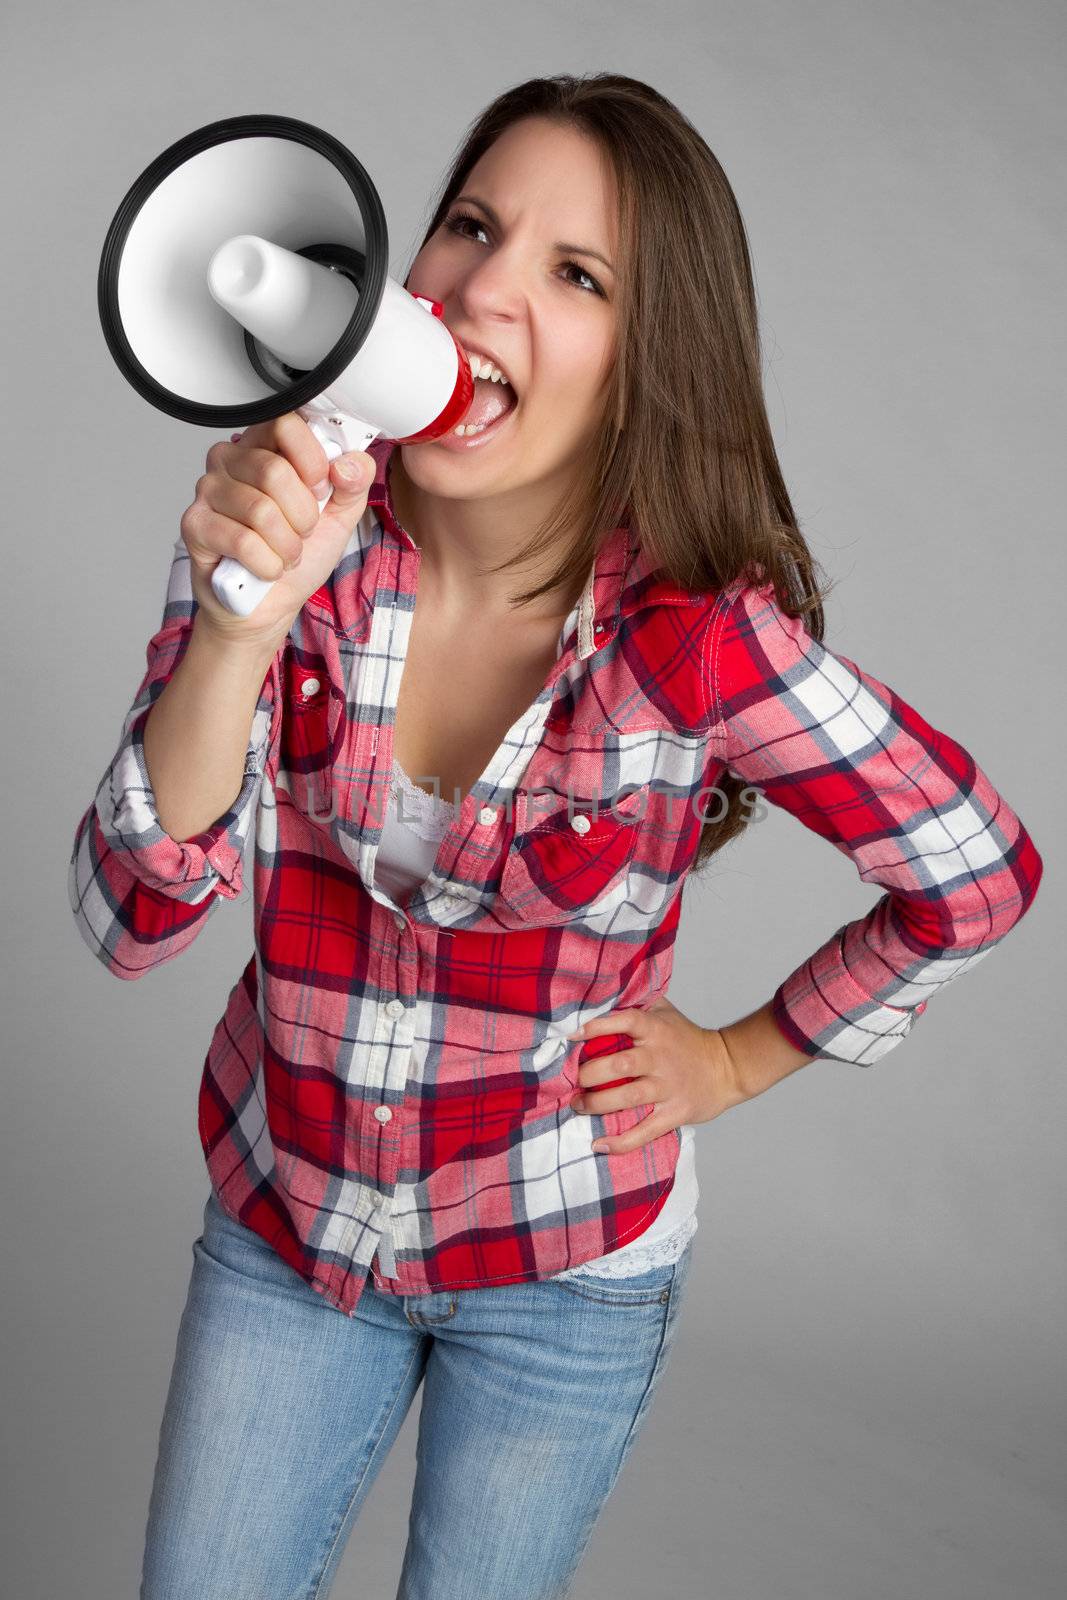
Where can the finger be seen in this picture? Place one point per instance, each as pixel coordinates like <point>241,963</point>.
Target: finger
<point>238,541</point>
<point>266,535</point>
<point>603,1071</point>
<point>351,475</point>
<point>619,1093</point>
<point>654,1126</point>
<point>292,437</point>
<point>275,477</point>
<point>612,1097</point>
<point>611,1022</point>
<point>210,535</point>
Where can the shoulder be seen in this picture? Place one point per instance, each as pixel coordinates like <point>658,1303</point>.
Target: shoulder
<point>753,648</point>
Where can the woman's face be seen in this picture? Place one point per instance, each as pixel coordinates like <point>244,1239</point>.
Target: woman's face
<point>545,314</point>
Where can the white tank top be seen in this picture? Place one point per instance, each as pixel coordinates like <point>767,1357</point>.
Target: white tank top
<point>411,837</point>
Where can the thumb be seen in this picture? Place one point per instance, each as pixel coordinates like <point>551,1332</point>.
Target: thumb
<point>351,475</point>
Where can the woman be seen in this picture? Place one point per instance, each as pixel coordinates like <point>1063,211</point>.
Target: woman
<point>449,1098</point>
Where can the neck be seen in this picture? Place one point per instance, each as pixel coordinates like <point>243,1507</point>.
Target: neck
<point>459,538</point>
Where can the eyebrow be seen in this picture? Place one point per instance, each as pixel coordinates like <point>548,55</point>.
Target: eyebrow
<point>573,249</point>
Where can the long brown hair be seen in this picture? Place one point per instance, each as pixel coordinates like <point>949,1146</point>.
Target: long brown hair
<point>684,451</point>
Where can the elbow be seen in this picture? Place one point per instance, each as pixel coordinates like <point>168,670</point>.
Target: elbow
<point>129,926</point>
<point>108,959</point>
<point>972,915</point>
<point>91,906</point>
<point>1034,868</point>
<point>1021,877</point>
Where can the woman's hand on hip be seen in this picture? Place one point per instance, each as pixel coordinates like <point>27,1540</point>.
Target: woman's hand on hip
<point>679,1069</point>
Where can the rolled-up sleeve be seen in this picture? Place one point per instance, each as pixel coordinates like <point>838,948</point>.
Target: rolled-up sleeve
<point>910,806</point>
<point>139,896</point>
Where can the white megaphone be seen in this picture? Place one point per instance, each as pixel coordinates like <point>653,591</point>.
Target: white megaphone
<point>245,274</point>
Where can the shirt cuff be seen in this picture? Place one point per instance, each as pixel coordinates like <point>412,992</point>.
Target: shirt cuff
<point>822,1010</point>
<point>189,869</point>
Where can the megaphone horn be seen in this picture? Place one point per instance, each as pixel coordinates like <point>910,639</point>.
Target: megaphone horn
<point>245,274</point>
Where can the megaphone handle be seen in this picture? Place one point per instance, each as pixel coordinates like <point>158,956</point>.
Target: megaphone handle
<point>239,590</point>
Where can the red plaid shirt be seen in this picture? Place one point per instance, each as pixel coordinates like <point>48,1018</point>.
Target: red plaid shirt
<point>398,1075</point>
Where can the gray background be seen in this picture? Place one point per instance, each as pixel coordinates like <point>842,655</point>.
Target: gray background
<point>866,1402</point>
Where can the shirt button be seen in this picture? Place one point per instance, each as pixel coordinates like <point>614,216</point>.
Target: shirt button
<point>487,815</point>
<point>581,824</point>
<point>399,920</point>
<point>383,1113</point>
<point>395,1008</point>
<point>309,686</point>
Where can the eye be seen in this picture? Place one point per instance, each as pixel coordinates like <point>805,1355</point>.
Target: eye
<point>582,273</point>
<point>455,225</point>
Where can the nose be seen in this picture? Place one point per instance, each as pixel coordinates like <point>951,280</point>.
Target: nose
<point>491,286</point>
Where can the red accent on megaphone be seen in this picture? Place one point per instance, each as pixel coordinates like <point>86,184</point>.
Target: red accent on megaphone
<point>458,405</point>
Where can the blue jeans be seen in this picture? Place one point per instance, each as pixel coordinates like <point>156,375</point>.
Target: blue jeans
<point>281,1410</point>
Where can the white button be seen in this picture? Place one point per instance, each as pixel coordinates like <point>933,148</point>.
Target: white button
<point>383,1113</point>
<point>398,919</point>
<point>309,686</point>
<point>487,815</point>
<point>581,824</point>
<point>395,1008</point>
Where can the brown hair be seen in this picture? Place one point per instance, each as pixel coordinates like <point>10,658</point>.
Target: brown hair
<point>684,450</point>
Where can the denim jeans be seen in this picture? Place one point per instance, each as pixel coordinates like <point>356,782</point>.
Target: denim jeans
<point>281,1410</point>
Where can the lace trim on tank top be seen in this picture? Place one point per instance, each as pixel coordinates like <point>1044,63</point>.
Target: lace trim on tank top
<point>640,1258</point>
<point>425,814</point>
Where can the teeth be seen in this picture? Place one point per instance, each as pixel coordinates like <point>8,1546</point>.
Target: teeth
<point>483,368</point>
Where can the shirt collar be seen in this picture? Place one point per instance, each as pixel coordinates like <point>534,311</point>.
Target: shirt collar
<point>600,601</point>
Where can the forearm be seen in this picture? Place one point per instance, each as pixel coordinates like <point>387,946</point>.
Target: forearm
<point>759,1051</point>
<point>196,735</point>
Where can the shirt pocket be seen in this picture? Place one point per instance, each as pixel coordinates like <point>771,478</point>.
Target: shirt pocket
<point>569,857</point>
<point>311,727</point>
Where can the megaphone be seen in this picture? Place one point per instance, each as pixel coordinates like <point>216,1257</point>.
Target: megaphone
<point>245,274</point>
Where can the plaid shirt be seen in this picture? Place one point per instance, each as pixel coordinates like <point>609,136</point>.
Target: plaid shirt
<point>388,1090</point>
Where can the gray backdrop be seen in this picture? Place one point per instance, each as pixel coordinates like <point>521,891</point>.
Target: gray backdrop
<point>867,1397</point>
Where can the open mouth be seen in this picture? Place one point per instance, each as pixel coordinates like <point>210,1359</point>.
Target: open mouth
<point>492,403</point>
<point>494,398</point>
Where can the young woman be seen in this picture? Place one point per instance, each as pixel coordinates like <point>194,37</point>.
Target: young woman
<point>448,1114</point>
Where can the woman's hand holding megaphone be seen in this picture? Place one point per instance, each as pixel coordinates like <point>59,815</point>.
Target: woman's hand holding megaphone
<point>258,502</point>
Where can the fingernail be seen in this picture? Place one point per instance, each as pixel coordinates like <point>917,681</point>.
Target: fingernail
<point>351,471</point>
<point>598,1147</point>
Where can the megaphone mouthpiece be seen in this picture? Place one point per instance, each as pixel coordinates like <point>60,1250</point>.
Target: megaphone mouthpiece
<point>296,307</point>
